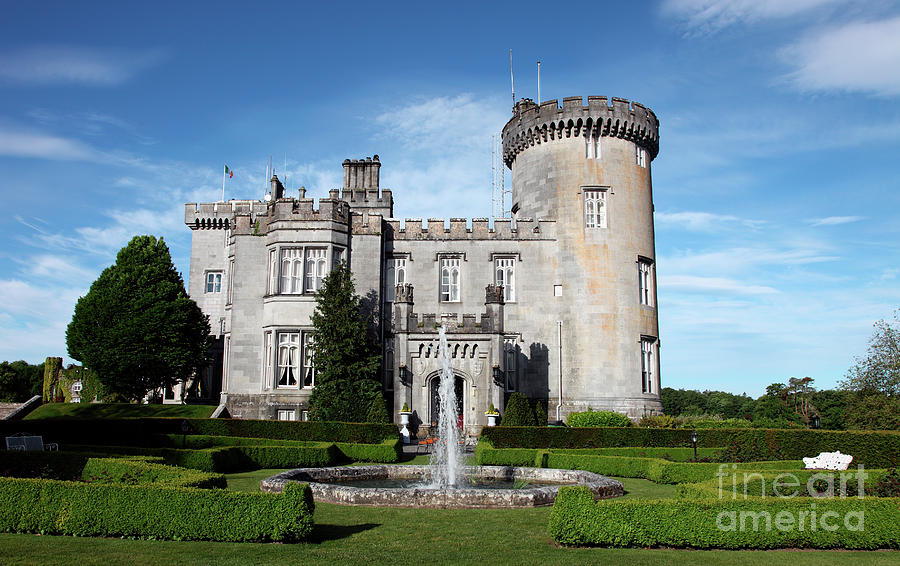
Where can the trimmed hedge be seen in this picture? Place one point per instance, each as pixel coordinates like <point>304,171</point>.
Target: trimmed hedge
<point>576,519</point>
<point>874,449</point>
<point>49,465</point>
<point>67,508</point>
<point>140,472</point>
<point>201,441</point>
<point>673,454</point>
<point>762,483</point>
<point>655,469</point>
<point>386,452</point>
<point>124,432</point>
<point>225,459</point>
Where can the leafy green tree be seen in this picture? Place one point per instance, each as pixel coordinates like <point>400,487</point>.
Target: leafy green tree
<point>879,371</point>
<point>831,406</point>
<point>518,411</point>
<point>345,353</point>
<point>137,327</point>
<point>20,381</point>
<point>874,412</point>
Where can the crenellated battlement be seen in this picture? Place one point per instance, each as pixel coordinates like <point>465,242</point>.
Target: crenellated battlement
<point>460,229</point>
<point>219,215</point>
<point>259,215</point>
<point>617,117</point>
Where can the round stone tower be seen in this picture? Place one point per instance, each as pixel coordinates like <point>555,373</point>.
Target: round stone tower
<point>588,168</point>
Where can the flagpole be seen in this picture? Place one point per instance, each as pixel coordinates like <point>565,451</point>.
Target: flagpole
<point>223,181</point>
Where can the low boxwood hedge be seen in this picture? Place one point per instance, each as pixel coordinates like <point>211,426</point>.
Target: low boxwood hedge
<point>874,449</point>
<point>788,483</point>
<point>138,472</point>
<point>386,452</point>
<point>225,459</point>
<point>84,509</point>
<point>576,519</point>
<point>124,432</point>
<point>655,469</point>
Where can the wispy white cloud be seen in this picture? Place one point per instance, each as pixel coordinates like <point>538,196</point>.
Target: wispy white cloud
<point>703,221</point>
<point>50,267</point>
<point>80,65</point>
<point>692,283</point>
<point>834,220</point>
<point>44,146</point>
<point>443,155</point>
<point>711,15</point>
<point>861,56</point>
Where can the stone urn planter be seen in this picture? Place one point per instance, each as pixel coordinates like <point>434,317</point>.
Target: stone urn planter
<point>404,421</point>
<point>492,418</point>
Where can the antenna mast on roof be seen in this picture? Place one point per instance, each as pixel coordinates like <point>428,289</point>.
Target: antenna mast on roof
<point>498,179</point>
<point>512,84</point>
<point>539,82</point>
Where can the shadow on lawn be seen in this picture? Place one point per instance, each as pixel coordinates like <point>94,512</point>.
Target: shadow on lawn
<point>324,532</point>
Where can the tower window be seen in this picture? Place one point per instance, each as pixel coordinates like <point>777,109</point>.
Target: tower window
<point>292,270</point>
<point>288,359</point>
<point>505,275</point>
<point>595,208</point>
<point>295,365</point>
<point>648,364</point>
<point>213,281</point>
<point>592,147</point>
<point>640,156</point>
<point>450,280</point>
<point>396,275</point>
<point>315,269</point>
<point>645,281</point>
<point>511,358</point>
<point>309,369</point>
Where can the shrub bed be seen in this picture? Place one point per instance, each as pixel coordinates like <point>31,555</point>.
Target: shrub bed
<point>139,472</point>
<point>385,452</point>
<point>875,449</point>
<point>788,483</point>
<point>124,432</point>
<point>224,459</point>
<point>61,507</point>
<point>576,519</point>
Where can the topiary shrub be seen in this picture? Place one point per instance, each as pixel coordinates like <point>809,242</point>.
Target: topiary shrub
<point>591,418</point>
<point>658,421</point>
<point>378,412</point>
<point>518,411</point>
<point>540,414</point>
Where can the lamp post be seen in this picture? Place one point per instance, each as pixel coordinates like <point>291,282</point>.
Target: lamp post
<point>694,442</point>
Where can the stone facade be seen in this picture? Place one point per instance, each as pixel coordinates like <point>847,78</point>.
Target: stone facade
<point>557,302</point>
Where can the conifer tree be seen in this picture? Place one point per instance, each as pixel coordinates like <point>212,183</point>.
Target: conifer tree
<point>518,411</point>
<point>345,354</point>
<point>137,328</point>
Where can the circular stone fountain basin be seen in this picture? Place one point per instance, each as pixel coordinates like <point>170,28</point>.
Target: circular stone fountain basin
<point>326,489</point>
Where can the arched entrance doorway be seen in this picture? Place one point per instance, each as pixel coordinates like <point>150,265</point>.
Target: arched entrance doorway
<point>434,404</point>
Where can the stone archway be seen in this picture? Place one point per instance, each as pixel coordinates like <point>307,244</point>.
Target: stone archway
<point>434,381</point>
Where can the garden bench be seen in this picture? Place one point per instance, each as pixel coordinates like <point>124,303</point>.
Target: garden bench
<point>828,461</point>
<point>29,443</point>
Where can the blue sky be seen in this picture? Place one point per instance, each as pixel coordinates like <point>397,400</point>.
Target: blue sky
<point>775,188</point>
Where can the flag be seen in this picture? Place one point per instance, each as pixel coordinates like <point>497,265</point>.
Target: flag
<point>229,172</point>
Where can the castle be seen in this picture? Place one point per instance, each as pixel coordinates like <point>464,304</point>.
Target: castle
<point>557,302</point>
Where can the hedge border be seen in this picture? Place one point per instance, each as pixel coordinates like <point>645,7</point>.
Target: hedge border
<point>576,519</point>
<point>874,449</point>
<point>69,508</point>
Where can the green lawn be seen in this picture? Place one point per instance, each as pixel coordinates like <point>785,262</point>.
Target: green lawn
<point>118,411</point>
<point>379,535</point>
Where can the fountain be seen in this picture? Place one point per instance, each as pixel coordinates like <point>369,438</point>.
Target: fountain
<point>445,482</point>
<point>446,459</point>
